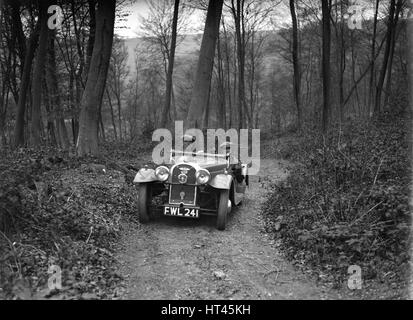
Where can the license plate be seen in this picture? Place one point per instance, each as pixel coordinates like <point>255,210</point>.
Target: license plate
<point>181,212</point>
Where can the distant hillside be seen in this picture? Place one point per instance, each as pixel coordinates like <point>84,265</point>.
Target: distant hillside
<point>188,48</point>
<point>187,51</point>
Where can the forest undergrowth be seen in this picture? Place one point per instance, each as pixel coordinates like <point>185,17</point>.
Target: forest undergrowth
<point>346,201</point>
<point>60,210</point>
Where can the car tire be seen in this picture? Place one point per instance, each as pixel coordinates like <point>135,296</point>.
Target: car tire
<point>222,209</point>
<point>143,203</point>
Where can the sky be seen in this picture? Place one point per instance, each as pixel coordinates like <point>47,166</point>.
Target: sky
<point>131,27</point>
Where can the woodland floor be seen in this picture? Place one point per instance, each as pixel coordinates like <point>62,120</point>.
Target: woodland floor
<point>181,259</point>
<point>165,259</point>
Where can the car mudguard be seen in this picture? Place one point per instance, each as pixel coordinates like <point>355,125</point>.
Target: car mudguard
<point>221,181</point>
<point>145,175</point>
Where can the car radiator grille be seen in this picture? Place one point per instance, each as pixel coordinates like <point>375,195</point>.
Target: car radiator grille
<point>182,194</point>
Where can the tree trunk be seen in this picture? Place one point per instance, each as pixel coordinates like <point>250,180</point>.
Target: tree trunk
<point>392,48</point>
<point>51,130</point>
<point>119,103</point>
<point>379,89</point>
<point>373,58</point>
<point>237,115</point>
<point>228,74</point>
<point>221,110</point>
<point>87,141</point>
<point>326,63</point>
<point>112,115</point>
<point>173,102</point>
<point>38,75</point>
<point>52,79</point>
<point>353,77</point>
<point>410,69</point>
<point>18,32</point>
<point>79,47</point>
<point>24,88</point>
<point>205,116</point>
<point>167,105</point>
<point>238,19</point>
<point>101,125</point>
<point>251,80</point>
<point>296,65</point>
<point>341,59</point>
<point>241,55</point>
<point>200,93</point>
<point>72,101</point>
<point>92,31</point>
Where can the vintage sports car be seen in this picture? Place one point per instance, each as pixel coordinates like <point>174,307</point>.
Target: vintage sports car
<point>192,185</point>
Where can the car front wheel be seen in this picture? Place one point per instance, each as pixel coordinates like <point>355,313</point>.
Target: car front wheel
<point>223,209</point>
<point>143,203</point>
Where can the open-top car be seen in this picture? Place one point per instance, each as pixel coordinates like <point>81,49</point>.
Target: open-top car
<point>192,184</point>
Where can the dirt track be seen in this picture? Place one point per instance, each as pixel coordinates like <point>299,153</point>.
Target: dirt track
<point>185,259</point>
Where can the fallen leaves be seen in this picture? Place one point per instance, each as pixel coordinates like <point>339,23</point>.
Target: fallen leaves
<point>64,213</point>
<point>347,201</point>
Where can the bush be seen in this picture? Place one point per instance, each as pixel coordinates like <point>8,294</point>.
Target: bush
<point>346,201</point>
<point>61,212</point>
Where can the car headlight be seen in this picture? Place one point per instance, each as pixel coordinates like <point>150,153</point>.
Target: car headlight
<point>162,173</point>
<point>203,176</point>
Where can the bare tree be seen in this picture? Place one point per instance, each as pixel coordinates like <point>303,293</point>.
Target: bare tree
<point>201,90</point>
<point>87,142</point>
<point>163,28</point>
<point>38,74</point>
<point>410,61</point>
<point>53,87</point>
<point>392,20</point>
<point>112,113</point>
<point>255,21</point>
<point>238,13</point>
<point>226,50</point>
<point>167,105</point>
<point>118,72</point>
<point>379,88</point>
<point>24,86</point>
<point>221,108</point>
<point>92,32</point>
<point>395,35</point>
<point>373,53</point>
<point>326,62</point>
